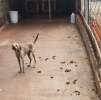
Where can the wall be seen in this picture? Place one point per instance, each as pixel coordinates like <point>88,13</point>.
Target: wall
<point>82,6</point>
<point>3,11</point>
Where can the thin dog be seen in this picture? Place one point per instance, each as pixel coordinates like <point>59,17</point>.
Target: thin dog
<point>24,50</point>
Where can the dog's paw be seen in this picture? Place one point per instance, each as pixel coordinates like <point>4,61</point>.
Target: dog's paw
<point>33,67</point>
<point>20,72</point>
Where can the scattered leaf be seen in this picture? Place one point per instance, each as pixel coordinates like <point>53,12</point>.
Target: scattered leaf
<point>61,68</point>
<point>46,59</point>
<point>40,57</point>
<point>28,65</point>
<point>76,65</point>
<point>74,82</point>
<point>93,90</point>
<point>67,83</point>
<point>54,57</point>
<point>77,92</point>
<point>68,70</point>
<point>72,62</point>
<point>76,36</point>
<point>51,77</point>
<point>39,71</point>
<point>69,37</point>
<point>58,90</point>
<point>63,62</point>
<point>33,67</point>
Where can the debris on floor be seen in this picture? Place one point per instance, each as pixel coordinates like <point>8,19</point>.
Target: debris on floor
<point>33,67</point>
<point>58,90</point>
<point>76,36</point>
<point>94,90</point>
<point>75,81</point>
<point>54,57</point>
<point>71,62</point>
<point>51,77</point>
<point>67,83</point>
<point>63,62</point>
<point>61,68</point>
<point>40,57</point>
<point>68,70</point>
<point>39,72</point>
<point>77,92</point>
<point>76,65</point>
<point>46,59</point>
<point>69,37</point>
<point>28,65</point>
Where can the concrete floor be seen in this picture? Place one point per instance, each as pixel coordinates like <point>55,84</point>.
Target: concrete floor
<point>62,71</point>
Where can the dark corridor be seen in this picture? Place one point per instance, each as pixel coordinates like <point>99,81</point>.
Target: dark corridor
<point>39,8</point>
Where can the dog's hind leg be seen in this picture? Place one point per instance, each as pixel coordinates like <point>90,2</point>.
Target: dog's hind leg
<point>34,57</point>
<point>29,56</point>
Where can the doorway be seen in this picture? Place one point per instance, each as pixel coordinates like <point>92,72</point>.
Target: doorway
<point>40,8</point>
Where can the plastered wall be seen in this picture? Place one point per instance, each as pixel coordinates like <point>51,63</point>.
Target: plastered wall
<point>3,11</point>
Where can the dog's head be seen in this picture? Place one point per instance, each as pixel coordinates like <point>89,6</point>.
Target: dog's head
<point>16,47</point>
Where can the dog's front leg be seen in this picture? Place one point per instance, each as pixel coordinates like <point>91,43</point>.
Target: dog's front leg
<point>18,58</point>
<point>22,63</point>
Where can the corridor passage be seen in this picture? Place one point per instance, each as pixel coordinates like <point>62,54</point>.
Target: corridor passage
<point>62,71</point>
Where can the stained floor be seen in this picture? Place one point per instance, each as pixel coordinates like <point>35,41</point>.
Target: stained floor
<point>62,71</point>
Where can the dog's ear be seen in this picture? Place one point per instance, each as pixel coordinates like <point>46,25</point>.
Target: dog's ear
<point>13,48</point>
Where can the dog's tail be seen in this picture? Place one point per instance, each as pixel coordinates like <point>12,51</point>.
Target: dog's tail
<point>36,38</point>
